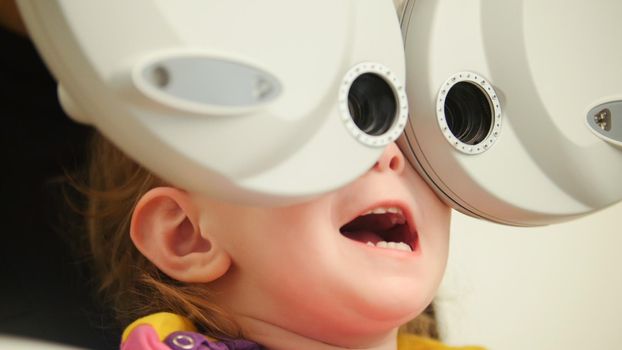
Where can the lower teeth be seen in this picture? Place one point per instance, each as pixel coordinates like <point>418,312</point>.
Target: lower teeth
<point>391,245</point>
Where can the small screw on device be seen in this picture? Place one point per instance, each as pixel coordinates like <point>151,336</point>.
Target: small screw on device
<point>603,119</point>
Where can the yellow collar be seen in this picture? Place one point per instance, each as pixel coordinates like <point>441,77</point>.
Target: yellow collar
<point>406,341</point>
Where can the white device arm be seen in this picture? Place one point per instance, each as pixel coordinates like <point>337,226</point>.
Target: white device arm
<point>252,101</point>
<point>516,106</point>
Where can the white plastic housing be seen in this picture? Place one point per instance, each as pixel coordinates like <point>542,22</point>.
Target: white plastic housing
<point>236,99</point>
<point>550,63</point>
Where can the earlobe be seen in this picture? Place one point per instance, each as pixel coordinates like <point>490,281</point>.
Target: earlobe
<point>165,229</point>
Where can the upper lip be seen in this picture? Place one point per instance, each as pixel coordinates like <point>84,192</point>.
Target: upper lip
<point>406,211</point>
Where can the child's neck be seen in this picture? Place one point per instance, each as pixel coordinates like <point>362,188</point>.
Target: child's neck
<point>277,338</point>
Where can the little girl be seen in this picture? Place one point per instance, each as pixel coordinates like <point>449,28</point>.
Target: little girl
<point>342,271</point>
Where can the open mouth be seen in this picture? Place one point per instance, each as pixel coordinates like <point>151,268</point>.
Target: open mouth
<point>383,227</point>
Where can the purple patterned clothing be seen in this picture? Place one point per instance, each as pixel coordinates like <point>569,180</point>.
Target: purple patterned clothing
<point>196,341</point>
<point>166,331</point>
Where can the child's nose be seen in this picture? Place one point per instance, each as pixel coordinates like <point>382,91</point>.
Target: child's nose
<point>391,159</point>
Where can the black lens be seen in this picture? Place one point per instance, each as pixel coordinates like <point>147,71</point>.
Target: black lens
<point>468,113</point>
<point>372,104</point>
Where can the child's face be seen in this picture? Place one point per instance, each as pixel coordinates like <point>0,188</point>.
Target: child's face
<point>293,268</point>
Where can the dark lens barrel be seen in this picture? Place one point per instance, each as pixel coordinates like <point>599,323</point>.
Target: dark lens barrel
<point>372,104</point>
<point>468,112</point>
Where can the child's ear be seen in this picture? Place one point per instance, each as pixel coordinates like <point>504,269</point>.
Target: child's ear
<point>165,229</point>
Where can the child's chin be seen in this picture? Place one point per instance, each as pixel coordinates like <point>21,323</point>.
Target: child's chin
<point>395,315</point>
<point>387,314</point>
<point>397,299</point>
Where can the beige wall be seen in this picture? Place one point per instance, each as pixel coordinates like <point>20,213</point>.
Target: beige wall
<point>556,287</point>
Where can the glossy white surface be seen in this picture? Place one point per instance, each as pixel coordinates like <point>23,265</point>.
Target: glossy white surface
<point>549,63</point>
<point>126,80</point>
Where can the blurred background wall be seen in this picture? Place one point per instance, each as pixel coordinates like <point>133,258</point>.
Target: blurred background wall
<point>544,288</point>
